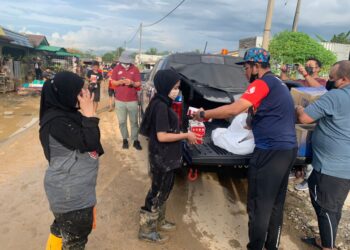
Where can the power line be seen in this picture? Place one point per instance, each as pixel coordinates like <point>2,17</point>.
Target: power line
<point>177,6</point>
<point>133,37</point>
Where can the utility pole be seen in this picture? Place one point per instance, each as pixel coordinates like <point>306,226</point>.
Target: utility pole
<point>268,21</point>
<point>140,48</point>
<point>205,47</point>
<point>296,17</point>
<point>124,45</point>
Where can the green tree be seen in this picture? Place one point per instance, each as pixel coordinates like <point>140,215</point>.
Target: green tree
<point>296,47</point>
<point>108,57</point>
<point>118,52</point>
<point>89,54</point>
<point>343,38</point>
<point>152,51</point>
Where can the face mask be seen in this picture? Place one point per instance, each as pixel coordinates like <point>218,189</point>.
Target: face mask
<point>309,70</point>
<point>253,77</point>
<point>330,85</point>
<point>125,65</point>
<point>173,94</point>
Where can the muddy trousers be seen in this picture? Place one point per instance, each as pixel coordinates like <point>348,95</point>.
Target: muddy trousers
<point>162,184</point>
<point>74,228</point>
<point>267,186</point>
<point>328,195</point>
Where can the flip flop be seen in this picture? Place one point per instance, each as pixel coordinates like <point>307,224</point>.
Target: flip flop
<point>311,242</point>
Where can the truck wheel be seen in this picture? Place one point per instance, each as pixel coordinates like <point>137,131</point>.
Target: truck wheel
<point>192,174</point>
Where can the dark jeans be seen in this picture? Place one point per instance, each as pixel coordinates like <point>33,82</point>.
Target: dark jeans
<point>38,74</point>
<point>328,195</point>
<point>74,228</point>
<point>96,90</point>
<point>267,186</point>
<point>162,184</point>
<point>111,92</point>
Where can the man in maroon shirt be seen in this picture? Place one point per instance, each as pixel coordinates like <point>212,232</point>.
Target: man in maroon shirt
<point>127,81</point>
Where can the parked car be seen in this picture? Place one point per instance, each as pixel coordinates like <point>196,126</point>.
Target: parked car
<point>207,81</point>
<point>145,75</point>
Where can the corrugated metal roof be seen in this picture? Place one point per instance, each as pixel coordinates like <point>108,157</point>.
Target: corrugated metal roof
<point>51,48</point>
<point>17,38</point>
<point>62,53</point>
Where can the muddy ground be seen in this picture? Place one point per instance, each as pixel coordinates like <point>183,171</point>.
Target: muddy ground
<point>210,213</point>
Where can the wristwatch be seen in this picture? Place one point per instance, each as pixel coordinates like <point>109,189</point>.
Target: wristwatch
<point>202,114</point>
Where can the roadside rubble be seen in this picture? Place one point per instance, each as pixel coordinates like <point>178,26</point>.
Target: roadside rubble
<point>300,212</point>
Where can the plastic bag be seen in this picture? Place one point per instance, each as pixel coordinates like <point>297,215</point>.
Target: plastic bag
<point>236,138</point>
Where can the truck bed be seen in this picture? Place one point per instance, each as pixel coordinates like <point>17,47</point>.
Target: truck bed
<point>207,154</point>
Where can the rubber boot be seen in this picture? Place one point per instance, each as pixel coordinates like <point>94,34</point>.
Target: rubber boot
<point>148,228</point>
<point>163,224</point>
<point>54,243</point>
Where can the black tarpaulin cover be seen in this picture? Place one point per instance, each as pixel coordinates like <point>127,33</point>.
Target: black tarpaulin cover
<point>215,78</point>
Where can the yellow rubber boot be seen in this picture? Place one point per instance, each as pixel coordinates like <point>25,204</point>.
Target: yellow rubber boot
<point>54,243</point>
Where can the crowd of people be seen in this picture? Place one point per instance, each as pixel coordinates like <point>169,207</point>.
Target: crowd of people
<point>70,137</point>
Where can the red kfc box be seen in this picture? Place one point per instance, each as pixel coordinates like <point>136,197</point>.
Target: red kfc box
<point>199,129</point>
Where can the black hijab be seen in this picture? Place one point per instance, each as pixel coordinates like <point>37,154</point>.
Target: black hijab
<point>164,81</point>
<point>59,96</point>
<point>59,100</point>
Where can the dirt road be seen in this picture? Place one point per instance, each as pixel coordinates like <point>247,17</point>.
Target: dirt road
<point>210,213</point>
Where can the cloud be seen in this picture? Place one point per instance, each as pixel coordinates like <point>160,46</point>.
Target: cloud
<point>106,24</point>
<point>24,30</point>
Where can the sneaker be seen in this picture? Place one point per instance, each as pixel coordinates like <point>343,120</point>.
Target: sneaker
<point>125,144</point>
<point>302,186</point>
<point>137,145</point>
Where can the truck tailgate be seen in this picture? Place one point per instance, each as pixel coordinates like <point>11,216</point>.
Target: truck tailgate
<point>207,154</point>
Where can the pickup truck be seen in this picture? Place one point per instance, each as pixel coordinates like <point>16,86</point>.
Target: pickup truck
<point>207,81</point>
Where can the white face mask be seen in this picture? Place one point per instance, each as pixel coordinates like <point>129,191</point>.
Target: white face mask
<point>126,66</point>
<point>174,93</point>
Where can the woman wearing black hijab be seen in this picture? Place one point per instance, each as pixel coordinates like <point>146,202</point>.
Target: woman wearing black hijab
<point>161,126</point>
<point>71,143</point>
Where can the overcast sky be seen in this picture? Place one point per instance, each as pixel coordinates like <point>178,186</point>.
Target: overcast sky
<point>103,25</point>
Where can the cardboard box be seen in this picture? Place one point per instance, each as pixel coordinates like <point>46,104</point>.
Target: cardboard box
<point>304,96</point>
<point>304,136</point>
